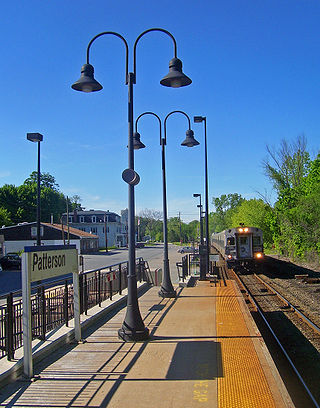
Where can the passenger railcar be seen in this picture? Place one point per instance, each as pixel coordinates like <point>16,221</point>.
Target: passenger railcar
<point>240,246</point>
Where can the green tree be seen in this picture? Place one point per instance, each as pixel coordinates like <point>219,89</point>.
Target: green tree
<point>9,200</point>
<point>254,213</point>
<point>4,217</point>
<point>225,206</point>
<point>46,180</point>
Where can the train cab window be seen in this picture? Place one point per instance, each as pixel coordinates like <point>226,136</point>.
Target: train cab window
<point>256,240</point>
<point>243,240</point>
<point>230,241</point>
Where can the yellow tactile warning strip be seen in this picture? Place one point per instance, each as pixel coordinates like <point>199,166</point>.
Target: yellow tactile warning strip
<point>243,383</point>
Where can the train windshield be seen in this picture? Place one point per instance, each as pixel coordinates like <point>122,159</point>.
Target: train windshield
<point>230,241</point>
<point>243,240</point>
<point>256,240</point>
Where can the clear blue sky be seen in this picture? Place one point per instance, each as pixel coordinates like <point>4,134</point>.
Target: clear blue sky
<point>255,67</point>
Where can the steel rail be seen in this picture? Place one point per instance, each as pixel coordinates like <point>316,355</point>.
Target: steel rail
<point>284,300</point>
<point>255,304</point>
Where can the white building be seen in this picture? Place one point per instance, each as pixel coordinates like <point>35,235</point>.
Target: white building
<point>108,226</point>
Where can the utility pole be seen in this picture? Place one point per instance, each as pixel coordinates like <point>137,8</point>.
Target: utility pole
<point>180,228</point>
<point>105,230</point>
<point>68,220</point>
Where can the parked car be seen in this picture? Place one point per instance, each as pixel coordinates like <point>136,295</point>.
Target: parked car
<point>140,244</point>
<point>184,250</point>
<point>10,261</point>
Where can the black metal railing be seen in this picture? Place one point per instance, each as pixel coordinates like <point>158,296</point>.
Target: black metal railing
<point>52,303</point>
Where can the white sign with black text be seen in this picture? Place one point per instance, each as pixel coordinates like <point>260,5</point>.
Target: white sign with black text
<point>39,263</point>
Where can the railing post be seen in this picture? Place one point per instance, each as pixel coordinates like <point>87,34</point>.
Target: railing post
<point>81,292</point>
<point>65,304</point>
<point>99,287</point>
<point>9,328</point>
<point>110,289</point>
<point>85,294</point>
<point>120,280</point>
<point>43,314</point>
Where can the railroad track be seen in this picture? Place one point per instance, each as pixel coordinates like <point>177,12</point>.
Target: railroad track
<point>288,326</point>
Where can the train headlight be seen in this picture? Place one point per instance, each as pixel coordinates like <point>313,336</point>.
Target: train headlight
<point>246,229</point>
<point>229,256</point>
<point>258,255</point>
<point>240,229</point>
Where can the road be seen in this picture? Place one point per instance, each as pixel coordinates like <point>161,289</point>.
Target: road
<point>10,280</point>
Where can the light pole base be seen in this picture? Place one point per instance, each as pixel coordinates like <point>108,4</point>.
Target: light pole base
<point>165,294</point>
<point>133,336</point>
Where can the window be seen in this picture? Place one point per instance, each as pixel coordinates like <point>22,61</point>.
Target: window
<point>243,240</point>
<point>81,218</point>
<point>256,240</point>
<point>230,241</point>
<point>93,219</point>
<point>70,218</point>
<point>93,230</point>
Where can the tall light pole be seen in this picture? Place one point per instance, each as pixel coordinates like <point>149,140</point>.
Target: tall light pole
<point>200,218</point>
<point>37,138</point>
<point>199,119</point>
<point>166,290</point>
<point>133,328</point>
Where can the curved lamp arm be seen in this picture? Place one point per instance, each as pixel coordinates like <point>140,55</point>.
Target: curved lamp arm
<point>141,35</point>
<point>148,113</point>
<point>117,35</point>
<point>165,122</point>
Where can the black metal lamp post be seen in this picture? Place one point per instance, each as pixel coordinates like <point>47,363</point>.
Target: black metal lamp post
<point>133,328</point>
<point>37,137</point>
<point>201,218</point>
<point>166,290</point>
<point>199,119</point>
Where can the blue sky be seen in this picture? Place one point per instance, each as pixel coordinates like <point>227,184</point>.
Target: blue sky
<point>255,67</point>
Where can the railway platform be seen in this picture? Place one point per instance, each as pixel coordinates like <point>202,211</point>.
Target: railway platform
<point>204,351</point>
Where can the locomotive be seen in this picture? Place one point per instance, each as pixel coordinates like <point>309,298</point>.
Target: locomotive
<point>240,246</point>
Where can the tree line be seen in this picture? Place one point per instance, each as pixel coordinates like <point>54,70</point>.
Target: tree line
<point>292,224</point>
<point>19,203</point>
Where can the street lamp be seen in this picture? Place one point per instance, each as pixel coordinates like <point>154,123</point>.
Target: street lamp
<point>199,119</point>
<point>166,290</point>
<point>37,137</point>
<point>133,328</point>
<point>201,218</point>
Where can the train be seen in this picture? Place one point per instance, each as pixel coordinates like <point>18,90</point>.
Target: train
<point>241,246</point>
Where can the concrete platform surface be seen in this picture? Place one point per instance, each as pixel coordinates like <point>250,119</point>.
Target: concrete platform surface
<point>204,351</point>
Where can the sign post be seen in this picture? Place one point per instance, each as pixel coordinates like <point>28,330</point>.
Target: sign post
<point>39,263</point>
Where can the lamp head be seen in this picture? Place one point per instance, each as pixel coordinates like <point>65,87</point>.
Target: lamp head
<point>175,78</point>
<point>190,141</point>
<point>137,144</point>
<point>35,137</point>
<point>198,119</point>
<point>86,82</point>
<point>196,195</point>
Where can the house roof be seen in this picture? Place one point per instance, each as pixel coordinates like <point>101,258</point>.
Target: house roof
<point>74,231</point>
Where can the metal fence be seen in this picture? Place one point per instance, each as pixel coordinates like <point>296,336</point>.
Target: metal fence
<point>52,303</point>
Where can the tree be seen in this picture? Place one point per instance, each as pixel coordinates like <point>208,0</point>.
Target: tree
<point>46,180</point>
<point>254,213</point>
<point>21,202</point>
<point>75,202</point>
<point>150,223</point>
<point>4,217</point>
<point>224,205</point>
<point>9,200</point>
<point>290,164</point>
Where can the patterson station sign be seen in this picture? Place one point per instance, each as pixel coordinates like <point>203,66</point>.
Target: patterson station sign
<point>40,263</point>
<point>51,262</point>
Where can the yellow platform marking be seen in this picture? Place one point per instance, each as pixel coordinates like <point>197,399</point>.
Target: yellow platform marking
<point>242,382</point>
